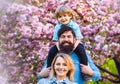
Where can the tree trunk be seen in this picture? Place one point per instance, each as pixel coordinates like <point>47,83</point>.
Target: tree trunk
<point>117,62</point>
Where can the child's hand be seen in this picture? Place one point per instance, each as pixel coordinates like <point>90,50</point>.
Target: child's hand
<point>76,43</point>
<point>57,44</point>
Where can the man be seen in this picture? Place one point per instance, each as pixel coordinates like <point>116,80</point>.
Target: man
<point>66,44</point>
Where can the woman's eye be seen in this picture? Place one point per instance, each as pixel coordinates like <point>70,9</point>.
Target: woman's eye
<point>58,64</point>
<point>65,64</point>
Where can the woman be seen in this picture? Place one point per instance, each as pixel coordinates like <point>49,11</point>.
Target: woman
<point>62,71</point>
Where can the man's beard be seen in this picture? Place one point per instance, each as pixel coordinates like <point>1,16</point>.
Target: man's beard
<point>66,48</point>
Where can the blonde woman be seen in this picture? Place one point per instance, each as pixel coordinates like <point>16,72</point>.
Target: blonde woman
<point>62,71</point>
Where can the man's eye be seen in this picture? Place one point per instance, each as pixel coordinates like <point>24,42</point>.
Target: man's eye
<point>69,36</point>
<point>62,36</point>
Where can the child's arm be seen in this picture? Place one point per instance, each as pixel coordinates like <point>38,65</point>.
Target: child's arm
<point>77,31</point>
<point>55,33</point>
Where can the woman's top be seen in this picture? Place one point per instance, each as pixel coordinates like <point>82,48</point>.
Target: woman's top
<point>54,81</point>
<point>77,75</point>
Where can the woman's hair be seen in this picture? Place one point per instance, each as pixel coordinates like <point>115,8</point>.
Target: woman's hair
<point>69,63</point>
<point>64,9</point>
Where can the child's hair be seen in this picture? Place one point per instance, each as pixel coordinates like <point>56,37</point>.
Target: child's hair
<point>64,9</point>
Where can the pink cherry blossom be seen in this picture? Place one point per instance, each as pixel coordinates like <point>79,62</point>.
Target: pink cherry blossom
<point>26,32</point>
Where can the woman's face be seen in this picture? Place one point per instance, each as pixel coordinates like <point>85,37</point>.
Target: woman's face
<point>61,68</point>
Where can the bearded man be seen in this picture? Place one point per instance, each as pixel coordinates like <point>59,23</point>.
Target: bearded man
<point>66,44</point>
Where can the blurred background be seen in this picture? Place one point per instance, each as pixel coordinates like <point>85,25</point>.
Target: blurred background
<point>25,39</point>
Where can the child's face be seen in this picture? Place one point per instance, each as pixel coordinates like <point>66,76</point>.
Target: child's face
<point>64,18</point>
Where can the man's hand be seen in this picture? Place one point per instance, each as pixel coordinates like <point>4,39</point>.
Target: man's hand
<point>45,72</point>
<point>86,69</point>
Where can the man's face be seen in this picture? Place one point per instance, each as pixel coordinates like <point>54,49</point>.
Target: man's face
<point>66,42</point>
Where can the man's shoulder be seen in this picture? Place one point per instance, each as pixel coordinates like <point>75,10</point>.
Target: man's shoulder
<point>74,57</point>
<point>73,54</point>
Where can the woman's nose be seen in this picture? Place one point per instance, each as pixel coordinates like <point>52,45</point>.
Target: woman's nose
<point>61,66</point>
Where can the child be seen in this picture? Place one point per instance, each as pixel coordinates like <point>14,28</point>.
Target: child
<point>64,15</point>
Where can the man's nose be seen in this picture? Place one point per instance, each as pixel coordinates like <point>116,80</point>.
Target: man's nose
<point>66,38</point>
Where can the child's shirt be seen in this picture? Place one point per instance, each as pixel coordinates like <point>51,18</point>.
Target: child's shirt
<point>71,24</point>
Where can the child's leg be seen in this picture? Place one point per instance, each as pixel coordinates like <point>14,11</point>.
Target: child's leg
<point>80,51</point>
<point>51,54</point>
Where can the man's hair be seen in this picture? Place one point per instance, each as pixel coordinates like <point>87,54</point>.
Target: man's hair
<point>64,29</point>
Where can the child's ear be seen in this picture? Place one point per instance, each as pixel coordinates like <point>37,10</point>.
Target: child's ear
<point>71,16</point>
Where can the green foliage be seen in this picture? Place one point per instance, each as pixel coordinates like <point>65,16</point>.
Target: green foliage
<point>111,66</point>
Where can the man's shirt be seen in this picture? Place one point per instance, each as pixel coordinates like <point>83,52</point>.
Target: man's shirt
<point>77,75</point>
